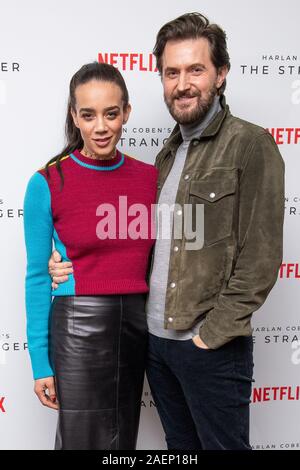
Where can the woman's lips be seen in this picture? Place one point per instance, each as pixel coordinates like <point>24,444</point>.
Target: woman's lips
<point>102,142</point>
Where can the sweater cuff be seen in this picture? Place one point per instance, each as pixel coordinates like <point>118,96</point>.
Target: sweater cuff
<point>40,363</point>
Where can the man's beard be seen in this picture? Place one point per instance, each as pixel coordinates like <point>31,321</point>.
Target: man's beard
<point>197,113</point>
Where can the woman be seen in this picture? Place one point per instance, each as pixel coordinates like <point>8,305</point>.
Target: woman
<point>88,347</point>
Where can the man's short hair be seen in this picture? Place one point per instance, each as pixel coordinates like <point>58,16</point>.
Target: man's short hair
<point>194,26</point>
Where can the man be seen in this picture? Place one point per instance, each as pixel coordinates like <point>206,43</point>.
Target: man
<point>201,300</point>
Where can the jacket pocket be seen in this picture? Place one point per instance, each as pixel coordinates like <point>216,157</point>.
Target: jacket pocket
<point>218,198</point>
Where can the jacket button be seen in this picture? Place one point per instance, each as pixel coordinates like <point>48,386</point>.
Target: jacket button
<point>195,143</point>
<point>176,248</point>
<point>179,212</point>
<point>170,320</point>
<point>172,285</point>
<point>212,195</point>
<point>186,177</point>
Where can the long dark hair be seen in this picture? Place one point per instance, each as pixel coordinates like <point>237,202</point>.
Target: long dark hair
<point>194,26</point>
<point>93,71</point>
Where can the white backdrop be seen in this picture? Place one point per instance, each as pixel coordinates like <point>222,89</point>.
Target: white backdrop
<point>41,45</point>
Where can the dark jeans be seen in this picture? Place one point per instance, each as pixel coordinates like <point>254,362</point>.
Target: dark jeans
<point>202,396</point>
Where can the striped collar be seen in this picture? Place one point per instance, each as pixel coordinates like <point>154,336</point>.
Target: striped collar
<point>102,165</point>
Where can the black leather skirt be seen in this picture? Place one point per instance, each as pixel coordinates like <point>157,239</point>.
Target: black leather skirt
<point>98,349</point>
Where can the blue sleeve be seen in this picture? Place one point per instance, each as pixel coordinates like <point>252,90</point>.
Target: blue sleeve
<point>38,228</point>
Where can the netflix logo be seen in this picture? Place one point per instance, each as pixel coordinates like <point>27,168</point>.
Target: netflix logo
<point>263,394</point>
<point>285,135</point>
<point>289,271</point>
<point>2,409</point>
<point>129,61</point>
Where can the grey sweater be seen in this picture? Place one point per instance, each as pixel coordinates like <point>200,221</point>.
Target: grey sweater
<point>159,275</point>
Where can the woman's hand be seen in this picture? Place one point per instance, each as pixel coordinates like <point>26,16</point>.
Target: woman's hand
<point>46,393</point>
<point>59,271</point>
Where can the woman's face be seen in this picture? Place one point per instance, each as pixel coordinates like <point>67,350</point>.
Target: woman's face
<point>100,115</point>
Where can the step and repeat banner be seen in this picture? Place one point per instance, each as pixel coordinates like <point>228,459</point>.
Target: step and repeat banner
<point>42,44</point>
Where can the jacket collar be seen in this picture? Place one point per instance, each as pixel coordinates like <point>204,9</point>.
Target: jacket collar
<point>212,129</point>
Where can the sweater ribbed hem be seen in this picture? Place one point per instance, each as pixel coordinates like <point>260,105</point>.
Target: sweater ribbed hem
<point>105,287</point>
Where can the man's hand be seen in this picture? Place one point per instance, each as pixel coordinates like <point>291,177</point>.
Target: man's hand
<point>46,393</point>
<point>57,270</point>
<point>199,343</point>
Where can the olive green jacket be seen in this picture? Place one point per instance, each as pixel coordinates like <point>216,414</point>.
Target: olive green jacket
<point>236,171</point>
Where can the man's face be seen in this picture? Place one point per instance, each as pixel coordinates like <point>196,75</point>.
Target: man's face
<point>190,79</point>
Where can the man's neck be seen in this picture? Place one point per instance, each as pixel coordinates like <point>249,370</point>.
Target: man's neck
<point>195,129</point>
